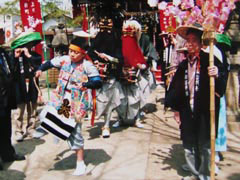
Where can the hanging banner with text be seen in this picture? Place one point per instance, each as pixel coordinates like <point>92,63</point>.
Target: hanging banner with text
<point>32,18</point>
<point>167,20</point>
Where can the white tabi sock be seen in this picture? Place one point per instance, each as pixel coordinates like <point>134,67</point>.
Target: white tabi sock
<point>80,169</point>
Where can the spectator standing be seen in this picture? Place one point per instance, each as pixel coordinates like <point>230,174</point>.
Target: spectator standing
<point>189,95</point>
<point>26,63</point>
<point>7,103</point>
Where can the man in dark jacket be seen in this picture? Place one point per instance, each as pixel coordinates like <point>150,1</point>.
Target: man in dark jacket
<point>7,103</point>
<point>189,95</point>
<point>26,63</point>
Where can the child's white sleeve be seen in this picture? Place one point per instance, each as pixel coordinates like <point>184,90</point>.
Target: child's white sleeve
<point>59,61</point>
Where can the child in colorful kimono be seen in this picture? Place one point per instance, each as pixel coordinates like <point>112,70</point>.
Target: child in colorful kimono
<point>77,73</point>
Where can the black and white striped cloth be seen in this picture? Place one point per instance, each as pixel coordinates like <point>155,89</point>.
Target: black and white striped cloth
<point>56,124</point>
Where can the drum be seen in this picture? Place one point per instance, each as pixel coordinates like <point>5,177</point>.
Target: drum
<point>130,75</point>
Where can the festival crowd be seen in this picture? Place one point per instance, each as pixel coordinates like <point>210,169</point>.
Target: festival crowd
<point>115,71</point>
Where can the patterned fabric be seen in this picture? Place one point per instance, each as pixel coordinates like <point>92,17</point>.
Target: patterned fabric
<point>4,64</point>
<point>71,77</point>
<point>191,78</point>
<point>70,80</point>
<point>221,141</point>
<point>65,108</point>
<point>56,123</point>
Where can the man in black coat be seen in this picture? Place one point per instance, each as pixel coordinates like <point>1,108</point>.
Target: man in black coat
<point>26,63</point>
<point>189,95</point>
<point>7,103</point>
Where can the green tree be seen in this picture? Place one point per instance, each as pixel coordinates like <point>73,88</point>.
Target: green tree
<point>10,8</point>
<point>49,8</point>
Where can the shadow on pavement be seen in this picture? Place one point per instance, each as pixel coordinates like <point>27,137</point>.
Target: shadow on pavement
<point>161,100</point>
<point>91,156</point>
<point>235,176</point>
<point>12,174</point>
<point>96,131</point>
<point>24,148</point>
<point>27,146</point>
<point>150,108</point>
<point>175,159</point>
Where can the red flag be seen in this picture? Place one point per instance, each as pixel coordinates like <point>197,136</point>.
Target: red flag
<point>167,21</point>
<point>32,18</point>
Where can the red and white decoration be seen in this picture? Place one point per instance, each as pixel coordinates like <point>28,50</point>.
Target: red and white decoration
<point>32,18</point>
<point>167,19</point>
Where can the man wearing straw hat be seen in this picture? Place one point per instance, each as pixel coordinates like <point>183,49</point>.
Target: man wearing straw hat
<point>26,62</point>
<point>7,103</point>
<point>189,96</point>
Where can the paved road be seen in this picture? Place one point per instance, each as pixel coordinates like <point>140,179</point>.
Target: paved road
<point>152,153</point>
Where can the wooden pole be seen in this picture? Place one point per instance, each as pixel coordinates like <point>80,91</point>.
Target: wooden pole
<point>209,39</point>
<point>212,113</point>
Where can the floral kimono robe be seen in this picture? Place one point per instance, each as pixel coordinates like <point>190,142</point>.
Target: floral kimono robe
<point>70,80</point>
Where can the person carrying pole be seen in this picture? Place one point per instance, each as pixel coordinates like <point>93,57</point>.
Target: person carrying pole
<point>189,96</point>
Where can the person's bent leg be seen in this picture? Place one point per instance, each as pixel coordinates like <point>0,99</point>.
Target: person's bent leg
<point>7,151</point>
<point>138,122</point>
<point>106,129</point>
<point>191,160</point>
<point>76,143</point>
<point>204,170</point>
<point>19,122</point>
<point>31,119</point>
<point>80,165</point>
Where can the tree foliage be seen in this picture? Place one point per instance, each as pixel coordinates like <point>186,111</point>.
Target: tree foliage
<point>10,8</point>
<point>50,9</point>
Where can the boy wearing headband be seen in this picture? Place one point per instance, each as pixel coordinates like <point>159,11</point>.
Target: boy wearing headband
<point>77,73</point>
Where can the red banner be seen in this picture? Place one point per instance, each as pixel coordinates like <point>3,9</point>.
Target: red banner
<point>32,18</point>
<point>31,15</point>
<point>167,21</point>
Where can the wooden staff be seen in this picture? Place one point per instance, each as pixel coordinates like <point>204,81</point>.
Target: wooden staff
<point>209,38</point>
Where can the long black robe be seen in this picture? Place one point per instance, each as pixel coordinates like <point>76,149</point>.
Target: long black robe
<point>30,66</point>
<point>195,126</point>
<point>7,103</point>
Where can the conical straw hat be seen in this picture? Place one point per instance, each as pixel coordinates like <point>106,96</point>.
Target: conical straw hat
<point>182,30</point>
